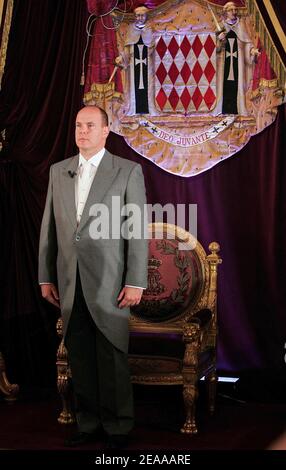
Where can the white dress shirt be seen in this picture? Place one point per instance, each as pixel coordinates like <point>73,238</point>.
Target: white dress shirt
<point>85,175</point>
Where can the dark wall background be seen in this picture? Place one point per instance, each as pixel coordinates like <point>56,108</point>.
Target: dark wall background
<point>241,203</point>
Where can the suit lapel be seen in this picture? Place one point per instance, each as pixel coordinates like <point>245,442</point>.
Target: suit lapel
<point>68,189</point>
<point>103,180</point>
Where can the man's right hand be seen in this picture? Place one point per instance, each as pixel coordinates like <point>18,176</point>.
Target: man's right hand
<point>222,36</point>
<point>50,293</point>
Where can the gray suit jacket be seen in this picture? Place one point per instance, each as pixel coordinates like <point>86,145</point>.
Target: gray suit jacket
<point>105,265</point>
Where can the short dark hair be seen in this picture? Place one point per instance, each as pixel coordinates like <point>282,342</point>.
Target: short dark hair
<point>104,116</point>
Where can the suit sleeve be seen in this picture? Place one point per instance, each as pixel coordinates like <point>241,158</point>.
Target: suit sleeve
<point>48,240</point>
<point>137,247</point>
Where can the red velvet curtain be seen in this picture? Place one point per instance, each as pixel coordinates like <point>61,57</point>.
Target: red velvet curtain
<point>241,202</point>
<point>39,99</point>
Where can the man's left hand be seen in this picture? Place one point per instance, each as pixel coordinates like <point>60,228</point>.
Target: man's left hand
<point>129,296</point>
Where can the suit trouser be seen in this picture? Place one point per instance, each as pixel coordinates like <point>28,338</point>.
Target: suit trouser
<point>100,374</point>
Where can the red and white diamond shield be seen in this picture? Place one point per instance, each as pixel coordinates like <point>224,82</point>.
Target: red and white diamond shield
<point>185,73</point>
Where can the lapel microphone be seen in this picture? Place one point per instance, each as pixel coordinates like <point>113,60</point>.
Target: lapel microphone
<point>72,173</point>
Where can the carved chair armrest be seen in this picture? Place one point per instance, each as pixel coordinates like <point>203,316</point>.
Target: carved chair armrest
<point>201,317</point>
<point>193,334</point>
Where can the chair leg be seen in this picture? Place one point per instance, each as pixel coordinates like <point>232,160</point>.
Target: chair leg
<point>190,394</point>
<point>211,382</point>
<point>10,391</point>
<point>66,415</point>
<point>64,387</point>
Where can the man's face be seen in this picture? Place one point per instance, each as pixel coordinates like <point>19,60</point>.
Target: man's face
<point>90,133</point>
<point>231,13</point>
<point>140,19</point>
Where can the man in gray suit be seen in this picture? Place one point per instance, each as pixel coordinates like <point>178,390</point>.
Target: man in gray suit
<point>95,274</point>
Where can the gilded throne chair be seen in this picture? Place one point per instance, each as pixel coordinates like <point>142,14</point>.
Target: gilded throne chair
<point>173,332</point>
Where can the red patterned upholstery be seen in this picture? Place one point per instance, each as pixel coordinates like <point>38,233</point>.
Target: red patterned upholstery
<point>174,281</point>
